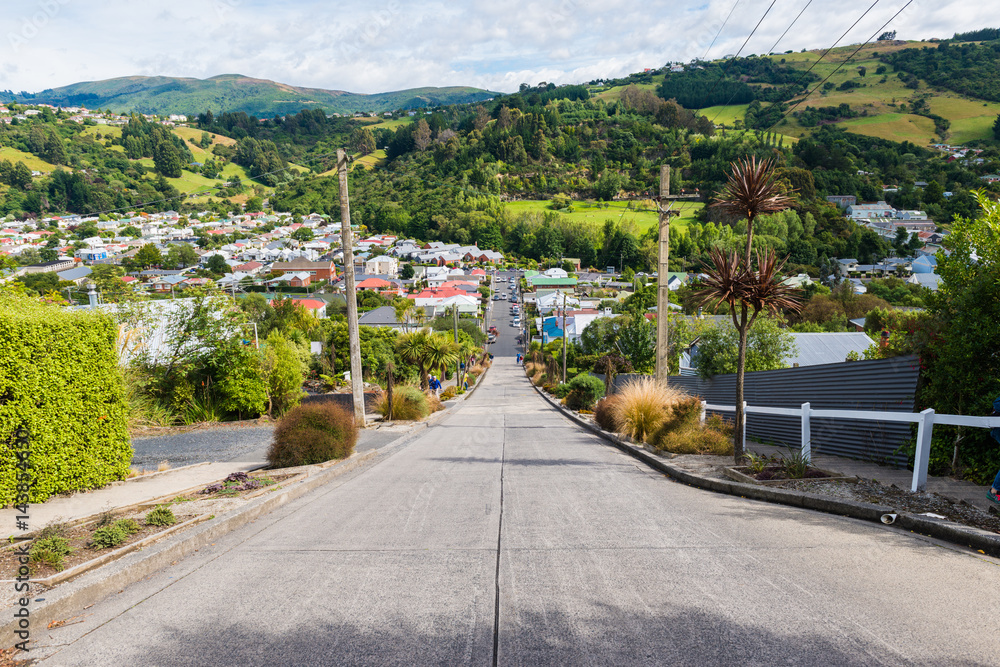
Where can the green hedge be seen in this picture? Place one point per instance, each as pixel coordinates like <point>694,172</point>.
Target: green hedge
<point>59,379</point>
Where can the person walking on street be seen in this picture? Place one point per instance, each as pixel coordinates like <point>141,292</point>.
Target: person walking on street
<point>994,493</point>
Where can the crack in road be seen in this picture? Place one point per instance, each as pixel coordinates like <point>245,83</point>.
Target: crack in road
<point>496,610</point>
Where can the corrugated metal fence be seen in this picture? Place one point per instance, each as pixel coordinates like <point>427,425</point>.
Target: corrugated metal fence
<point>883,384</point>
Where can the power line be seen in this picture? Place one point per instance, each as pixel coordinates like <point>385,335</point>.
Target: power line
<point>773,47</point>
<point>841,65</point>
<point>720,30</point>
<point>729,62</point>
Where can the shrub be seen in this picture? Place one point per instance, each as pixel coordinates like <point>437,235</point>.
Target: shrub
<point>642,407</point>
<point>585,390</point>
<point>313,433</point>
<point>408,404</point>
<point>284,371</point>
<point>61,382</point>
<point>449,393</point>
<point>108,536</point>
<point>433,402</point>
<point>50,551</point>
<point>693,439</point>
<point>562,390</point>
<point>160,516</point>
<point>681,414</point>
<point>130,526</point>
<point>604,413</point>
<point>470,378</point>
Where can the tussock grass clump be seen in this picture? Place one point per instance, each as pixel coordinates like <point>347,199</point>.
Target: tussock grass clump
<point>449,393</point>
<point>604,413</point>
<point>433,402</point>
<point>479,368</point>
<point>695,439</point>
<point>408,404</point>
<point>642,407</point>
<point>313,433</point>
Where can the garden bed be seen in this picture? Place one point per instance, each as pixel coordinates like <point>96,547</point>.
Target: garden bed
<point>775,475</point>
<point>188,509</point>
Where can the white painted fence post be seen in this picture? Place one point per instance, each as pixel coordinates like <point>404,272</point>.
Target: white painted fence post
<point>806,434</point>
<point>744,426</point>
<point>703,411</point>
<point>923,455</point>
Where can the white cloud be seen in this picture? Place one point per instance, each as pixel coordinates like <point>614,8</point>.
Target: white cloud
<point>381,45</point>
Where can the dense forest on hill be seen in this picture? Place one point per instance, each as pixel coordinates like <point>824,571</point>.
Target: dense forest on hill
<point>969,69</point>
<point>728,82</point>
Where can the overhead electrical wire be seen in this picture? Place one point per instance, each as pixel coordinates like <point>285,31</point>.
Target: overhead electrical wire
<point>771,50</point>
<point>730,60</point>
<point>840,66</point>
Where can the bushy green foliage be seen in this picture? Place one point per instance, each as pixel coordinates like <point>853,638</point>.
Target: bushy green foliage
<point>313,433</point>
<point>50,551</point>
<point>284,372</point>
<point>160,515</point>
<point>584,391</point>
<point>108,537</point>
<point>768,345</point>
<point>59,379</point>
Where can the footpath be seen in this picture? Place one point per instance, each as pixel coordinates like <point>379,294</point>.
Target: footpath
<point>83,585</point>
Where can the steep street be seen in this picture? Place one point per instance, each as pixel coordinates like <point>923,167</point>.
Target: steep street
<point>505,535</point>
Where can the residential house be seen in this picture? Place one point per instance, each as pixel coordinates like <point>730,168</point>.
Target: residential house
<point>315,306</point>
<point>382,264</point>
<point>75,275</point>
<point>877,210</point>
<point>54,266</point>
<point>843,201</point>
<point>323,270</point>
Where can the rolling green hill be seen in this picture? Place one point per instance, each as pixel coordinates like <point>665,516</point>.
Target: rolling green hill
<point>235,92</point>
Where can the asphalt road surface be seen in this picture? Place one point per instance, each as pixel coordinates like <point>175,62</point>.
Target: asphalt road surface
<point>506,535</point>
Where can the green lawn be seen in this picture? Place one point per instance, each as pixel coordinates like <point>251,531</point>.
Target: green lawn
<point>595,213</point>
<point>725,115</point>
<point>895,127</point>
<point>389,123</point>
<point>30,161</point>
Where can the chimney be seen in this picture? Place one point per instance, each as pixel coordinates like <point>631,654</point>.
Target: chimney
<point>92,295</point>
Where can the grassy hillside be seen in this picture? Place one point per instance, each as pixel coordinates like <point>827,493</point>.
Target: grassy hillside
<point>883,101</point>
<point>235,92</point>
<point>595,213</point>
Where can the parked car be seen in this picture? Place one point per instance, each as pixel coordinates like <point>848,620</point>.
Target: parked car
<point>492,338</point>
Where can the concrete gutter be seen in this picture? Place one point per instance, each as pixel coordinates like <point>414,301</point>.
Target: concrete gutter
<point>974,538</point>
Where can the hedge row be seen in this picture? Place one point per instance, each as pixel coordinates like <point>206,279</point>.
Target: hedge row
<point>59,379</point>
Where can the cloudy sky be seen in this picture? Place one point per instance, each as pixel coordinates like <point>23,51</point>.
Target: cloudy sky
<point>369,46</point>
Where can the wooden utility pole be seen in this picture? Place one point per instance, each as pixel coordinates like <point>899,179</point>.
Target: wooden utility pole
<point>353,335</point>
<point>564,338</point>
<point>458,360</point>
<point>663,276</point>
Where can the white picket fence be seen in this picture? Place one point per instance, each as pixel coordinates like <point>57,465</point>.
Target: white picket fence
<point>925,421</point>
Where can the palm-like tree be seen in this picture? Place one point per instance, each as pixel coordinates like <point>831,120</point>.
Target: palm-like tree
<point>749,192</point>
<point>412,347</point>
<point>405,312</point>
<point>440,352</point>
